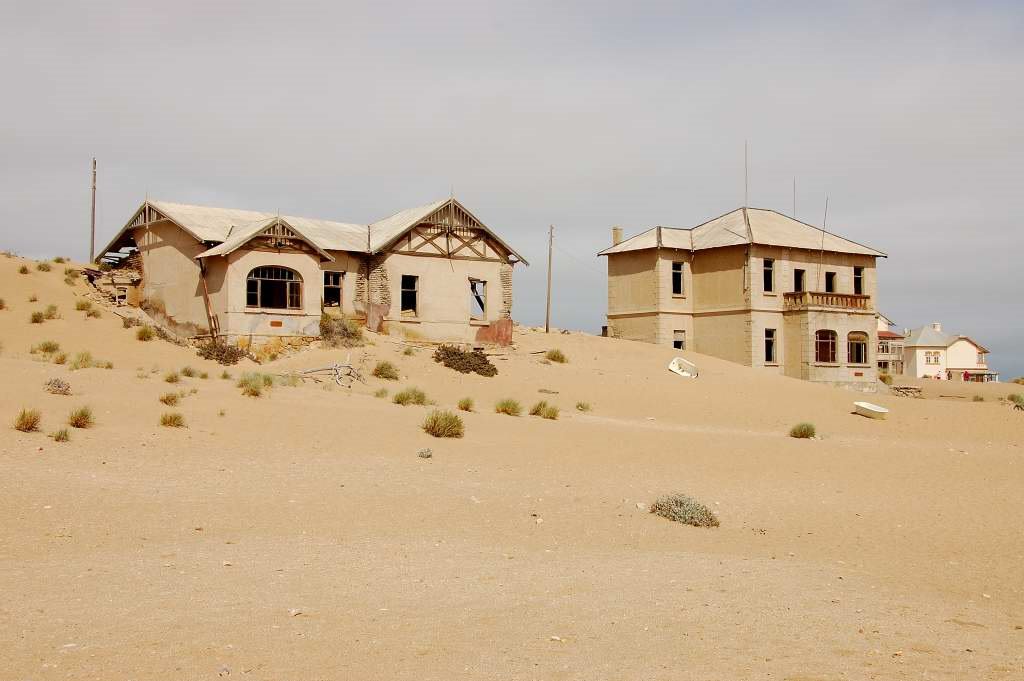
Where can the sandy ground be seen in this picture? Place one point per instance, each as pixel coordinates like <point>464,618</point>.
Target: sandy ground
<point>298,535</point>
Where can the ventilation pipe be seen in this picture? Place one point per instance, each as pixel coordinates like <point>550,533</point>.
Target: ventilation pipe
<point>616,235</point>
<point>937,326</point>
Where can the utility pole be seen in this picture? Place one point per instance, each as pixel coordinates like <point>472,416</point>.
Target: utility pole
<point>551,242</point>
<point>92,227</point>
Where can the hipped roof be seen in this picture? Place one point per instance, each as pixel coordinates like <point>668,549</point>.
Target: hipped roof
<point>743,226</point>
<point>230,227</point>
<point>928,337</point>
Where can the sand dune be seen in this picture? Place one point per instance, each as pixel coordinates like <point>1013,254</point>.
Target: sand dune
<point>299,536</point>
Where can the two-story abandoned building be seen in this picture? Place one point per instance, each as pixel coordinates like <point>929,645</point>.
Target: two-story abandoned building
<point>433,272</point>
<point>752,286</point>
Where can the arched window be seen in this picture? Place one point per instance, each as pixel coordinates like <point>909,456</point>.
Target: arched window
<point>825,346</point>
<point>277,288</point>
<point>857,348</point>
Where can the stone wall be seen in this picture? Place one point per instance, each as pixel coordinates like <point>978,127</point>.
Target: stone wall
<point>505,275</point>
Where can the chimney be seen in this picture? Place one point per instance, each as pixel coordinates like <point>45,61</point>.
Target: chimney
<point>616,235</point>
<point>937,326</point>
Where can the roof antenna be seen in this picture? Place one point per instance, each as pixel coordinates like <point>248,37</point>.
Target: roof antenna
<point>821,253</point>
<point>794,197</point>
<point>745,182</point>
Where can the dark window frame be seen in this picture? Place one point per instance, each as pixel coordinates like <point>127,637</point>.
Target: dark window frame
<point>770,346</point>
<point>858,281</point>
<point>768,274</point>
<point>267,284</point>
<point>825,341</point>
<point>830,282</point>
<point>679,339</point>
<point>857,347</point>
<point>409,285</point>
<point>478,297</point>
<point>330,276</point>
<point>799,280</point>
<point>678,278</point>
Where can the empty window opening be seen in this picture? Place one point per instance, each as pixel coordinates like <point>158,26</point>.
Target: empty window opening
<point>857,348</point>
<point>121,297</point>
<point>276,288</point>
<point>825,346</point>
<point>410,295</point>
<point>332,289</point>
<point>769,275</point>
<point>679,340</point>
<point>931,357</point>
<point>477,299</point>
<point>798,280</point>
<point>769,346</point>
<point>677,278</point>
<point>858,280</point>
<point>830,282</point>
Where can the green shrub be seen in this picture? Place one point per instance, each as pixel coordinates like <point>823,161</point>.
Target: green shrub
<point>465,362</point>
<point>802,431</point>
<point>145,333</point>
<point>885,378</point>
<point>28,420</point>
<point>81,418</point>
<point>410,396</point>
<point>221,352</point>
<point>466,404</point>
<point>556,356</point>
<point>43,266</point>
<point>23,269</point>
<point>383,392</point>
<point>51,312</point>
<point>386,371</point>
<point>172,377</point>
<point>83,305</point>
<point>61,435</point>
<point>340,331</point>
<point>172,419</point>
<point>170,399</point>
<point>683,509</point>
<point>583,406</point>
<point>83,360</point>
<point>509,407</point>
<point>37,318</point>
<point>443,424</point>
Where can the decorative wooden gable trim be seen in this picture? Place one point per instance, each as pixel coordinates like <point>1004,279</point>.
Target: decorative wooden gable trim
<point>451,232</point>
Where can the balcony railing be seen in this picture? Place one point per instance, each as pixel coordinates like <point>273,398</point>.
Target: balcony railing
<point>800,300</point>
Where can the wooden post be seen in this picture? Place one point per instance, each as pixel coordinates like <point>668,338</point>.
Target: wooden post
<point>92,228</point>
<point>547,316</point>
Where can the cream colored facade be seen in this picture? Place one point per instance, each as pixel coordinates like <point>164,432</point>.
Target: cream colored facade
<point>435,272</point>
<point>707,291</point>
<point>931,353</point>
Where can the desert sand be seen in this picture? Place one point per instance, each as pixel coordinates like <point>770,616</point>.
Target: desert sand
<point>299,536</point>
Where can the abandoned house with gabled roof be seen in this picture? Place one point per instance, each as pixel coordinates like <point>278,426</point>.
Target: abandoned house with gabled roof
<point>434,272</point>
<point>752,286</point>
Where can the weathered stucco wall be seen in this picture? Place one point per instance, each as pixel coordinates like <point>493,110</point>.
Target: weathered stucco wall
<point>962,354</point>
<point>238,319</point>
<point>726,335</point>
<point>814,264</point>
<point>720,279</point>
<point>171,284</point>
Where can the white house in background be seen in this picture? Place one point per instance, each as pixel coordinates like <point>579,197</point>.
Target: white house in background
<point>890,347</point>
<point>928,352</point>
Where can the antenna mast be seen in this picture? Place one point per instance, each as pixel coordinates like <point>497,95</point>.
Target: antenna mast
<point>547,315</point>
<point>745,183</point>
<point>92,227</point>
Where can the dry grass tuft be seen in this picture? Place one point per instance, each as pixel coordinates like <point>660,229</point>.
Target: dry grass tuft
<point>43,266</point>
<point>978,398</point>
<point>188,371</point>
<point>82,360</point>
<point>23,269</point>
<point>340,331</point>
<point>803,431</point>
<point>83,305</point>
<point>252,383</point>
<point>410,396</point>
<point>466,404</point>
<point>170,399</point>
<point>51,312</point>
<point>172,377</point>
<point>226,375</point>
<point>61,435</point>
<point>60,358</point>
<point>172,419</point>
<point>683,509</point>
<point>28,420</point>
<point>57,386</point>
<point>81,418</point>
<point>509,407</point>
<point>93,313</point>
<point>3,305</point>
<point>885,378</point>
<point>408,352</point>
<point>583,406</point>
<point>47,347</point>
<point>556,355</point>
<point>383,392</point>
<point>145,333</point>
<point>444,424</point>
<point>37,317</point>
<point>386,371</point>
<point>473,361</point>
<point>60,260</point>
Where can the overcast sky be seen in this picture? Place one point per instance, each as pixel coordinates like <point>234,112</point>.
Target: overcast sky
<point>582,115</point>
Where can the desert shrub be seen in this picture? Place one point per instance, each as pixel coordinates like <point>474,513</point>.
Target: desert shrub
<point>443,424</point>
<point>33,298</point>
<point>3,305</point>
<point>978,398</point>
<point>82,360</point>
<point>129,322</point>
<point>408,352</point>
<point>93,313</point>
<point>28,420</point>
<point>51,312</point>
<point>1019,380</point>
<point>37,317</point>
<point>81,418</point>
<point>47,347</point>
<point>83,305</point>
<point>61,435</point>
<point>43,266</point>
<point>172,377</point>
<point>340,331</point>
<point>509,407</point>
<point>220,351</point>
<point>204,375</point>
<point>60,358</point>
<point>290,380</point>
<point>550,412</point>
<point>170,399</point>
<point>188,371</point>
<point>466,404</point>
<point>802,431</point>
<point>71,273</point>
<point>465,362</point>
<point>386,371</point>
<point>583,406</point>
<point>1016,398</point>
<point>410,396</point>
<point>383,392</point>
<point>172,419</point>
<point>23,269</point>
<point>556,355</point>
<point>226,375</point>
<point>885,378</point>
<point>69,281</point>
<point>252,383</point>
<point>145,333</point>
<point>60,260</point>
<point>539,407</point>
<point>57,386</point>
<point>106,365</point>
<point>684,509</point>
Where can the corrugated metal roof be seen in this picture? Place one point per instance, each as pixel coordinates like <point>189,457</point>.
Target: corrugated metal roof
<point>745,226</point>
<point>240,237</point>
